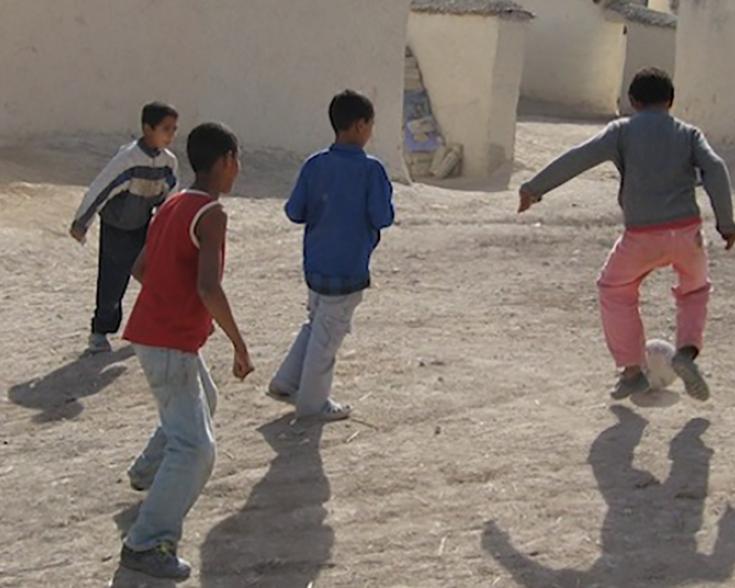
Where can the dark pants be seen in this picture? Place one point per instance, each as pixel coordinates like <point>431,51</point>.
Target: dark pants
<point>118,251</point>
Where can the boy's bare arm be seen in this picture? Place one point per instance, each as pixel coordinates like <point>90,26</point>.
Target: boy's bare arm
<point>210,231</point>
<point>139,266</point>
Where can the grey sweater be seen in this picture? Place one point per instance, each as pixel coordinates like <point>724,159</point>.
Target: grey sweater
<point>657,156</point>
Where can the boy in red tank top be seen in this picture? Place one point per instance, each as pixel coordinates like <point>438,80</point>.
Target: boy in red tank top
<point>180,269</point>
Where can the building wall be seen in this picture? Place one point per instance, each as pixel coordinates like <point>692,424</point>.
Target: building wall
<point>647,46</point>
<point>471,66</point>
<point>704,67</point>
<point>660,5</point>
<point>265,67</point>
<point>574,57</point>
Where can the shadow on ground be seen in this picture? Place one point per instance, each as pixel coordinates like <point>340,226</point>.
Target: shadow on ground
<point>280,537</point>
<point>56,395</point>
<point>649,534</point>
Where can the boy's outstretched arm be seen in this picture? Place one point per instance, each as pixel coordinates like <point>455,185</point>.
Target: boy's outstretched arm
<point>380,198</point>
<point>601,148</point>
<point>717,184</point>
<point>210,230</point>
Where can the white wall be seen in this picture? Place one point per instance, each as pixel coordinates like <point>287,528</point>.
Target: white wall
<point>647,46</point>
<point>471,67</point>
<point>660,5</point>
<point>265,67</point>
<point>705,67</point>
<point>574,57</point>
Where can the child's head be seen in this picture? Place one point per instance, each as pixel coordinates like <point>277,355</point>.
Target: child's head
<point>212,149</point>
<point>651,88</point>
<point>159,124</point>
<point>352,116</point>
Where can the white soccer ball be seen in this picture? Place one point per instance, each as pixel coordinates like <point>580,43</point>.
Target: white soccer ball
<point>658,370</point>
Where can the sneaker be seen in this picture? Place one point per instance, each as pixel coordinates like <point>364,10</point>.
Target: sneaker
<point>159,562</point>
<point>136,483</point>
<point>333,411</point>
<point>98,343</point>
<point>694,382</point>
<point>628,386</point>
<point>277,394</point>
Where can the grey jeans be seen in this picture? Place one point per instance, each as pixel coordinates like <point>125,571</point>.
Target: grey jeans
<point>307,370</point>
<point>178,460</point>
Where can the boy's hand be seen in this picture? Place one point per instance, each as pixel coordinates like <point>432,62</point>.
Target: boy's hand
<point>729,239</point>
<point>79,234</point>
<point>242,364</point>
<point>527,200</point>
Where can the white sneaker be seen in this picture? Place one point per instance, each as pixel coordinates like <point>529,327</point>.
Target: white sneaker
<point>98,343</point>
<point>334,411</point>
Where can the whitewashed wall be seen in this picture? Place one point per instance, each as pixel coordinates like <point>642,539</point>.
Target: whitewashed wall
<point>705,67</point>
<point>472,66</point>
<point>266,67</point>
<point>647,46</point>
<point>574,56</point>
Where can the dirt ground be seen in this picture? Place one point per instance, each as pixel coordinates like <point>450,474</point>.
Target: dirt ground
<point>484,453</point>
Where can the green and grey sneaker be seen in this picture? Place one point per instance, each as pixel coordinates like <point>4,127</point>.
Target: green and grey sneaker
<point>98,343</point>
<point>694,383</point>
<point>276,393</point>
<point>159,562</point>
<point>625,387</point>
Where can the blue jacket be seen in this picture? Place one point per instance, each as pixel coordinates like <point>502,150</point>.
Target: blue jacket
<point>344,198</point>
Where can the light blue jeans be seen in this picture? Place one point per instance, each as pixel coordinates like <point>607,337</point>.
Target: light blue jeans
<point>308,369</point>
<point>178,460</point>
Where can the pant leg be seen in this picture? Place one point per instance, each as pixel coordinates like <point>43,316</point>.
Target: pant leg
<point>633,257</point>
<point>190,449</point>
<point>118,251</point>
<point>146,465</point>
<point>288,376</point>
<point>208,385</point>
<point>330,324</point>
<point>693,289</point>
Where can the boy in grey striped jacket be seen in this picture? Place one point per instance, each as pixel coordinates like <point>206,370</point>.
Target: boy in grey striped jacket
<point>124,194</point>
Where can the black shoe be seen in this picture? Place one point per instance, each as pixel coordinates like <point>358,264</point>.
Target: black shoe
<point>625,387</point>
<point>159,562</point>
<point>694,382</point>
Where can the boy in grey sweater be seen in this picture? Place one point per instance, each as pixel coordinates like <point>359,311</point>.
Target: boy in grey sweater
<point>658,157</point>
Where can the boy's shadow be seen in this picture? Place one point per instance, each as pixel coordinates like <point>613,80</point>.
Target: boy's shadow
<point>649,533</point>
<point>56,395</point>
<point>280,537</point>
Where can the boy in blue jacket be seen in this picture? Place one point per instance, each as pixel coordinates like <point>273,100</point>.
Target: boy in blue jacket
<point>344,198</point>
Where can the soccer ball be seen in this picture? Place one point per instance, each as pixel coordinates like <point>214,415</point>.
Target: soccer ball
<point>658,369</point>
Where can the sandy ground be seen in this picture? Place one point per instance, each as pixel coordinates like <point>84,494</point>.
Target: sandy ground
<point>485,451</point>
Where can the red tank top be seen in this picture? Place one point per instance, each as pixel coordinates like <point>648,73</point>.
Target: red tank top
<point>168,312</point>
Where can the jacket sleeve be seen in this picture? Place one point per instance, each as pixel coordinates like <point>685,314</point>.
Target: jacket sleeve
<point>296,205</point>
<point>380,198</point>
<point>173,181</point>
<point>111,180</point>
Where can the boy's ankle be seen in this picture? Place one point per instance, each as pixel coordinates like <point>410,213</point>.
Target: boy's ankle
<point>631,372</point>
<point>688,351</point>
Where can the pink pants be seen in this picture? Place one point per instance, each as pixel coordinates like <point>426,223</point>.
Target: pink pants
<point>635,255</point>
